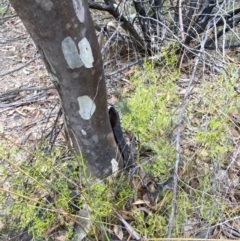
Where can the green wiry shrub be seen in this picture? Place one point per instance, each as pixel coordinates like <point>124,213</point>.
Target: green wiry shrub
<point>149,112</point>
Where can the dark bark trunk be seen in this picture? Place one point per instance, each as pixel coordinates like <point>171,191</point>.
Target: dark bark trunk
<point>64,33</point>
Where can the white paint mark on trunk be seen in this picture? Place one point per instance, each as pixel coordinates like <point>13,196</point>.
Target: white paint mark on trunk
<point>84,132</point>
<point>79,10</point>
<point>86,53</point>
<point>70,53</point>
<point>87,107</point>
<point>114,165</point>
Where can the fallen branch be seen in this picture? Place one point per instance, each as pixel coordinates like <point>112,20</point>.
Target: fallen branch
<point>17,90</point>
<point>129,228</point>
<point>18,68</point>
<point>10,16</point>
<point>26,101</point>
<point>138,61</point>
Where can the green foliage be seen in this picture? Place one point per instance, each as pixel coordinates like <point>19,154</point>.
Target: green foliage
<point>210,126</point>
<point>213,137</point>
<point>38,219</point>
<point>184,209</point>
<point>39,188</point>
<point>122,193</point>
<point>3,7</point>
<point>104,197</point>
<point>153,225</point>
<point>216,105</point>
<point>149,111</point>
<point>42,191</point>
<point>99,199</point>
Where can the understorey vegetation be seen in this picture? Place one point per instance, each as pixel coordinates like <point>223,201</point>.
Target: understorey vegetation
<point>149,25</point>
<point>172,74</point>
<point>47,195</point>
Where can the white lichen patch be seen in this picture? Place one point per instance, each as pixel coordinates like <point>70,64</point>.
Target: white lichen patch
<point>84,132</point>
<point>114,165</point>
<point>79,10</point>
<point>70,53</point>
<point>86,53</point>
<point>87,107</point>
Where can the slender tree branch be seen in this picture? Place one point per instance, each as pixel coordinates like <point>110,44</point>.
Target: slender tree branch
<point>126,25</point>
<point>178,138</point>
<point>144,24</point>
<point>227,46</point>
<point>100,6</point>
<point>17,90</point>
<point>109,40</point>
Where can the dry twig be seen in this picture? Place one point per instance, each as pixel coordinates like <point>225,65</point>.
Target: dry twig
<point>178,136</point>
<point>131,231</point>
<point>17,90</point>
<point>10,16</point>
<point>18,68</point>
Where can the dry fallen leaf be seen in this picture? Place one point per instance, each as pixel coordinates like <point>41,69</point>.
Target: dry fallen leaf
<point>27,71</point>
<point>139,202</point>
<point>118,231</point>
<point>234,132</point>
<point>60,238</point>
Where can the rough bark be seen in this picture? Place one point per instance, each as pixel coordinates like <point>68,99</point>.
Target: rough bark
<point>64,33</point>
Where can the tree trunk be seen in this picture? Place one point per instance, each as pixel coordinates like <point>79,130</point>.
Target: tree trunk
<point>64,33</point>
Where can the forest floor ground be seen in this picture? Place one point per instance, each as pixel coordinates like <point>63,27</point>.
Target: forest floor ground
<point>210,173</point>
